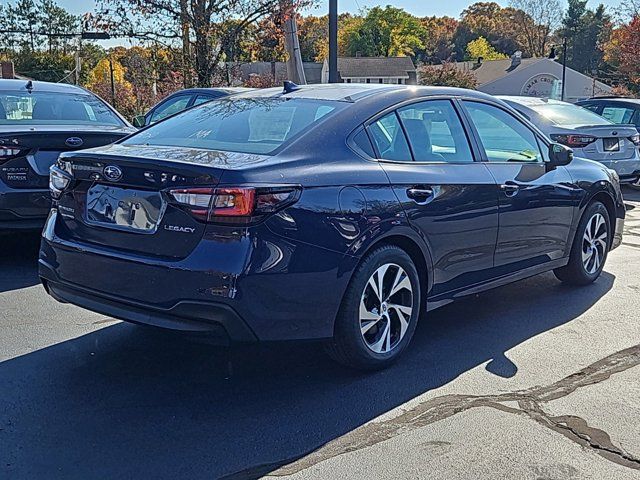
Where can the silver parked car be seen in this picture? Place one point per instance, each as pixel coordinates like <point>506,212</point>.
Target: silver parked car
<point>588,134</point>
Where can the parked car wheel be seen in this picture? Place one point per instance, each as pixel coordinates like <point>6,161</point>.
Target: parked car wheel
<point>590,247</point>
<point>379,311</point>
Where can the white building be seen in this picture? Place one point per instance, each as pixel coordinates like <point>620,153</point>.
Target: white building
<point>535,77</point>
<point>393,70</point>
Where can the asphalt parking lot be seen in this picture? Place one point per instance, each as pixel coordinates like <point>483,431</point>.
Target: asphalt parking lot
<point>534,380</point>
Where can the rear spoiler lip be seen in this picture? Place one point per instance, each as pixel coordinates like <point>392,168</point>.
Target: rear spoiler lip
<point>621,129</point>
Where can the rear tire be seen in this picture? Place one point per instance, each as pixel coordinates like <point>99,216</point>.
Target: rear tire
<point>590,247</point>
<point>379,311</point>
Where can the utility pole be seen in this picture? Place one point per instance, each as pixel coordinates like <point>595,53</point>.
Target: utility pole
<point>78,62</point>
<point>295,68</point>
<point>113,84</point>
<point>333,41</point>
<point>564,66</point>
<point>186,72</point>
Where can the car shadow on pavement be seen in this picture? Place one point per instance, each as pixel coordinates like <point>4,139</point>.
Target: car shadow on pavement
<point>133,402</point>
<point>18,260</point>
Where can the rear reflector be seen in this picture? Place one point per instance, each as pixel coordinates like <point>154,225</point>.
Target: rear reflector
<point>234,204</point>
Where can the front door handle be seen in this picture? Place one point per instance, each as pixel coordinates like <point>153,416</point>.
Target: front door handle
<point>510,189</point>
<point>420,195</point>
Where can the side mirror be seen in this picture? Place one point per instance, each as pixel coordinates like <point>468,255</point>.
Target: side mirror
<point>559,155</point>
<point>139,121</point>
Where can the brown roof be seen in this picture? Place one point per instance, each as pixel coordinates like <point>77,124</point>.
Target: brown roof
<point>491,70</point>
<point>367,67</point>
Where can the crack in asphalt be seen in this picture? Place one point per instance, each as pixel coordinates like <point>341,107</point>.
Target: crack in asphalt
<point>446,406</point>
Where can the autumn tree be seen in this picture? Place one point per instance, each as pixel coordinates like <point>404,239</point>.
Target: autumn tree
<point>120,92</point>
<point>314,38</point>
<point>481,48</point>
<point>492,22</point>
<point>439,43</point>
<point>446,75</point>
<point>382,32</point>
<point>196,22</point>
<point>537,20</point>
<point>622,52</point>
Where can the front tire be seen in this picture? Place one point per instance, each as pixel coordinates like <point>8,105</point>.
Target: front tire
<point>590,247</point>
<point>379,311</point>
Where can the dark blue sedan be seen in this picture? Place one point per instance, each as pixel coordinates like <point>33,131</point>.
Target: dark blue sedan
<point>335,212</point>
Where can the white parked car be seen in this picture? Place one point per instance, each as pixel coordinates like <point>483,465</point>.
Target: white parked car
<point>587,133</point>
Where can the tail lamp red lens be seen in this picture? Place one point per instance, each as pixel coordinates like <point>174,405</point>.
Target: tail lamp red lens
<point>218,204</point>
<point>574,141</point>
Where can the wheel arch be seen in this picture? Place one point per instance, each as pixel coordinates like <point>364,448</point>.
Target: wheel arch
<point>607,200</point>
<point>411,242</point>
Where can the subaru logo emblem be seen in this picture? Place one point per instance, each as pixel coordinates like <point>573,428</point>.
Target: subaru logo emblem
<point>112,173</point>
<point>74,142</point>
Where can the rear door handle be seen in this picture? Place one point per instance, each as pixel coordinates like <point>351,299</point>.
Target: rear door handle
<point>420,195</point>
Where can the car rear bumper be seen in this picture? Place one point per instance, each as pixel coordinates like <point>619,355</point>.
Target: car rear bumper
<point>216,321</point>
<point>240,286</point>
<point>23,209</point>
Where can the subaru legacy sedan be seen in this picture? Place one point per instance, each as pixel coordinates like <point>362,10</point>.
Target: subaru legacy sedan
<point>334,212</point>
<point>38,121</point>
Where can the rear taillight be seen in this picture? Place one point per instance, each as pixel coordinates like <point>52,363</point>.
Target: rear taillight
<point>573,141</point>
<point>237,205</point>
<point>59,181</point>
<point>635,139</point>
<point>7,153</point>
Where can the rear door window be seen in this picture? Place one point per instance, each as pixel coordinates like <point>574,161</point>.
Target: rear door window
<point>504,137</point>
<point>389,139</point>
<point>435,132</point>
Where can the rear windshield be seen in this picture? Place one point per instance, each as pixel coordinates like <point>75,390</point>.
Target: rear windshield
<point>247,125</point>
<point>48,108</point>
<point>567,114</point>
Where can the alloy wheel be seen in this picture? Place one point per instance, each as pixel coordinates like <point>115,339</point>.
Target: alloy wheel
<point>385,308</point>
<point>594,243</point>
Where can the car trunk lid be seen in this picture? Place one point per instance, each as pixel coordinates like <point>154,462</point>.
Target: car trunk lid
<point>121,197</point>
<point>29,154</point>
<point>613,142</point>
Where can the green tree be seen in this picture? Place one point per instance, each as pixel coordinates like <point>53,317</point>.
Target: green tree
<point>586,32</point>
<point>482,48</point>
<point>491,21</point>
<point>383,32</point>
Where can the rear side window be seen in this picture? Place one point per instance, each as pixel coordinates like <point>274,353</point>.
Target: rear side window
<point>389,139</point>
<point>246,125</point>
<point>435,132</point>
<point>170,107</point>
<point>54,108</point>
<point>504,138</point>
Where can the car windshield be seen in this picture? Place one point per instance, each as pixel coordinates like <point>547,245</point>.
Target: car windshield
<point>247,125</point>
<point>54,108</point>
<point>567,114</point>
